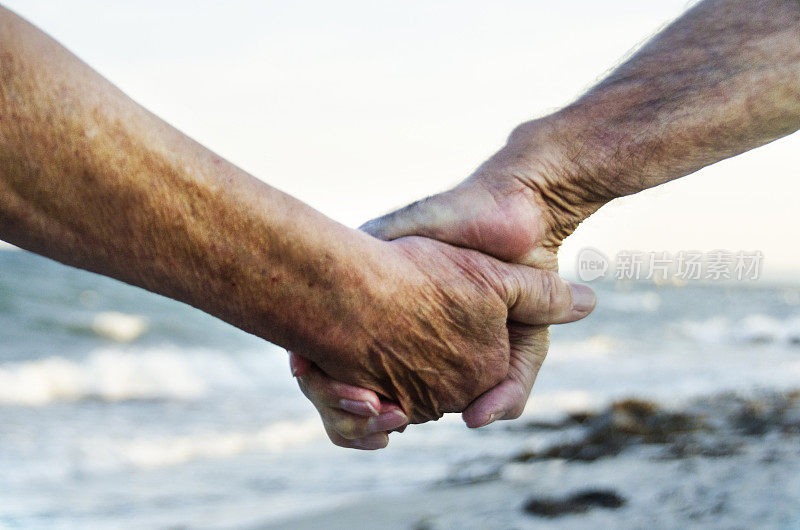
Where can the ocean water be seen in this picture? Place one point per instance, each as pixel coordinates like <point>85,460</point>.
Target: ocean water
<point>122,409</point>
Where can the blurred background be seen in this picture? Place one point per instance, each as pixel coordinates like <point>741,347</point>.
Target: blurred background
<point>674,403</point>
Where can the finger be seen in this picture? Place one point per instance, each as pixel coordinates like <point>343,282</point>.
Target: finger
<point>368,443</point>
<point>388,406</point>
<point>323,390</point>
<point>507,400</point>
<point>469,216</point>
<point>413,219</point>
<point>298,364</point>
<point>352,427</point>
<point>536,297</point>
<point>428,217</point>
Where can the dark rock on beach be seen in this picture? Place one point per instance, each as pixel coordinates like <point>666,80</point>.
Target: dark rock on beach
<point>625,423</point>
<point>578,503</point>
<point>710,427</point>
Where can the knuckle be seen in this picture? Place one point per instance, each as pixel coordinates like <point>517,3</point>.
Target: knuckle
<point>551,294</point>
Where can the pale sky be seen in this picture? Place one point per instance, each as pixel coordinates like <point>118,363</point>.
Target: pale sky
<point>357,107</point>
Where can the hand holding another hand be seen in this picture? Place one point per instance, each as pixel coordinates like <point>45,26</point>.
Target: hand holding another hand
<point>516,207</point>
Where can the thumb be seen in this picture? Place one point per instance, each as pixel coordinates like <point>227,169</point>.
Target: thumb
<point>434,217</point>
<point>536,296</point>
<point>507,400</point>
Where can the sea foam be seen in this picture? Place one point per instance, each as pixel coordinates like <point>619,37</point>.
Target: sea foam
<point>752,329</point>
<point>161,451</point>
<point>107,375</point>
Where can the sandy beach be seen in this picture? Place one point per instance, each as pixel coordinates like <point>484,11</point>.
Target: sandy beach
<point>721,462</point>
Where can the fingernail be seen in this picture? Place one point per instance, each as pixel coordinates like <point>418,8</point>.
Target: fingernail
<point>387,422</point>
<point>493,417</point>
<point>362,408</point>
<point>583,298</point>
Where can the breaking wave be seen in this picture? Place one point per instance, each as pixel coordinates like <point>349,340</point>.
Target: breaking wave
<point>117,374</point>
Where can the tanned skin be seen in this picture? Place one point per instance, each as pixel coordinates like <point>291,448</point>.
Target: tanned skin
<point>91,179</point>
<point>722,79</point>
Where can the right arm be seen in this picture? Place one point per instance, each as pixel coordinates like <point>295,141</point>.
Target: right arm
<point>719,81</point>
<point>722,79</point>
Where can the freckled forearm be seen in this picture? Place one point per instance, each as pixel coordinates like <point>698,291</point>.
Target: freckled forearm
<point>91,179</point>
<point>722,79</point>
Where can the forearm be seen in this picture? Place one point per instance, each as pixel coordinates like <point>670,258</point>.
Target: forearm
<point>91,179</point>
<point>722,79</point>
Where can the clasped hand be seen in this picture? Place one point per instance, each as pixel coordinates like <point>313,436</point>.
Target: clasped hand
<point>499,309</point>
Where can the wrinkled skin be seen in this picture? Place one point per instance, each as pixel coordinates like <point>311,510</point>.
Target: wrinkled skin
<point>511,209</point>
<point>720,80</point>
<point>448,342</point>
<point>439,355</point>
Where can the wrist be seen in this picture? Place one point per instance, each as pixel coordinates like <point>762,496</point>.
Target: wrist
<point>326,294</point>
<point>536,168</point>
<point>275,267</point>
<point>569,159</point>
